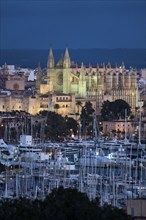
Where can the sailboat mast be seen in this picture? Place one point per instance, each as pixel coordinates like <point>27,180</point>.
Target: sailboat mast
<point>139,129</point>
<point>125,124</point>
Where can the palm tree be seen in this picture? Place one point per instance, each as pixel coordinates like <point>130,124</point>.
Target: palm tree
<point>86,116</point>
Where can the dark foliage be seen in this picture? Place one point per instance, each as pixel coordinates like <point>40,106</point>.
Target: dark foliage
<point>58,127</point>
<point>72,124</point>
<point>86,117</point>
<point>115,110</point>
<point>61,204</point>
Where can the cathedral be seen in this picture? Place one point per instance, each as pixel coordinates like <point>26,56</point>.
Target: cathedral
<point>67,84</point>
<point>64,87</point>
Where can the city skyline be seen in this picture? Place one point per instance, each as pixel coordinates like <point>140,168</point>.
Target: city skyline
<point>74,24</point>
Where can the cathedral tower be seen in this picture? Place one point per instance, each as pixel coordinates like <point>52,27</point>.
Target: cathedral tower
<point>50,70</point>
<point>66,62</point>
<point>66,73</point>
<point>82,82</point>
<point>50,63</point>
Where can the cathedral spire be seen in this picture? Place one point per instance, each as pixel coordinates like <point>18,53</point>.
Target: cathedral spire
<point>103,66</point>
<point>123,66</point>
<point>82,72</point>
<point>50,63</point>
<point>109,65</point>
<point>66,63</point>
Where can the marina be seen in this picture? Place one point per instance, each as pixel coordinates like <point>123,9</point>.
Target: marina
<point>112,172</point>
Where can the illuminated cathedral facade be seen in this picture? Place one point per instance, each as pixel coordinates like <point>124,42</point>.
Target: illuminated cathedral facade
<point>94,84</point>
<point>63,85</point>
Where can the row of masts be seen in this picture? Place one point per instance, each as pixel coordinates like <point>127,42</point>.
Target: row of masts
<point>112,183</point>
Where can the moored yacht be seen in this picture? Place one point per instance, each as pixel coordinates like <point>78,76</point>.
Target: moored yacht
<point>120,156</point>
<point>26,144</point>
<point>29,150</point>
<point>95,158</point>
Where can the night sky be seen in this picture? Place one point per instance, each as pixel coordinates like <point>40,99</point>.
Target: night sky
<point>32,24</point>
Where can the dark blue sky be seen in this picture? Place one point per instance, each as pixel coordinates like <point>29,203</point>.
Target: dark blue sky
<point>72,23</point>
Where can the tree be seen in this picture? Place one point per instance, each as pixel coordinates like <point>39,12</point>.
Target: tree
<point>55,128</point>
<point>44,113</point>
<point>115,110</point>
<point>71,124</point>
<point>86,116</point>
<point>114,213</point>
<point>105,111</point>
<point>78,104</point>
<point>56,107</point>
<point>60,204</point>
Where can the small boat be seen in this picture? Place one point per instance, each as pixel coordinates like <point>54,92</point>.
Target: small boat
<point>121,157</point>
